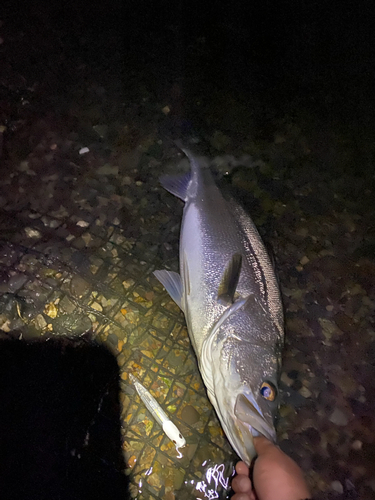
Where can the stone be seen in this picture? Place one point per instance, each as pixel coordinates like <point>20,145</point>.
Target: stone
<point>338,417</point>
<point>338,487</point>
<point>190,415</point>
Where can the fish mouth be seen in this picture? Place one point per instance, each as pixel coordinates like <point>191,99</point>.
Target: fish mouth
<point>250,423</point>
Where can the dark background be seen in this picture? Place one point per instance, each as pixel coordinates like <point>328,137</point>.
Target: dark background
<point>273,52</point>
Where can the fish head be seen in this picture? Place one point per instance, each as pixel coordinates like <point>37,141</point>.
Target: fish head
<point>246,360</point>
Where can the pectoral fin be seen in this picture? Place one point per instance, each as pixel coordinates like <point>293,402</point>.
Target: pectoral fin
<point>172,283</point>
<point>229,282</point>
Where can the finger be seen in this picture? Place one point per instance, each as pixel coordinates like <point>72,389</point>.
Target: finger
<point>241,484</point>
<point>243,496</point>
<point>242,468</point>
<point>262,445</point>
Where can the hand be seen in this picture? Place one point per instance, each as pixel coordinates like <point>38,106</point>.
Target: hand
<point>276,476</point>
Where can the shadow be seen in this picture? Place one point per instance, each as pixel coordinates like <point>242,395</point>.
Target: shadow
<point>60,421</point>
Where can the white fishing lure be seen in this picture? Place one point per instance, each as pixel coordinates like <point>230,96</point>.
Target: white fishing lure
<point>158,413</point>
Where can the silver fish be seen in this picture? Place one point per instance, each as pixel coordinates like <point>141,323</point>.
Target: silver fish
<point>228,291</point>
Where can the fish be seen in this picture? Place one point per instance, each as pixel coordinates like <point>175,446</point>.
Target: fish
<point>158,413</point>
<point>229,294</point>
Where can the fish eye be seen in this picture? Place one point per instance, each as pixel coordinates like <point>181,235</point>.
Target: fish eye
<point>268,391</point>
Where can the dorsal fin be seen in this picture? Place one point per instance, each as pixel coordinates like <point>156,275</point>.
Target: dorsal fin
<point>229,281</point>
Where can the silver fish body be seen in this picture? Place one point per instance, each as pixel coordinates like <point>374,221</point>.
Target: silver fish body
<point>229,294</point>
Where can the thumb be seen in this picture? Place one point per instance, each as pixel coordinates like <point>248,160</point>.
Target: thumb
<point>263,445</point>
